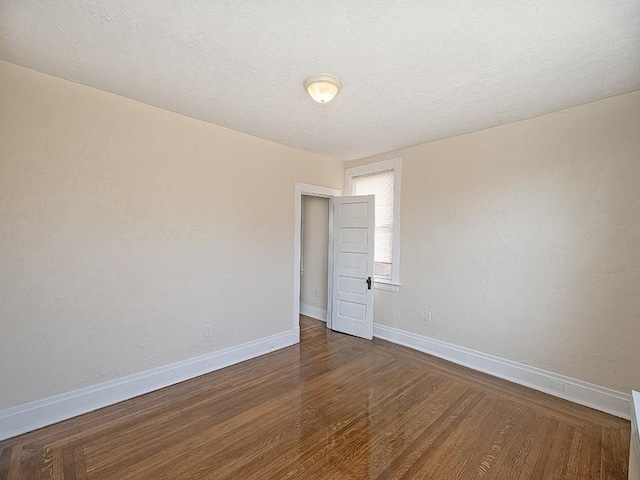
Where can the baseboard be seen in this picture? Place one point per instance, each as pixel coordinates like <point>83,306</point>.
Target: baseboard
<point>313,312</point>
<point>577,391</point>
<point>30,416</point>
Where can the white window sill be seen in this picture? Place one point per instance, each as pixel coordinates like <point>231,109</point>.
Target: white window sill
<point>386,286</point>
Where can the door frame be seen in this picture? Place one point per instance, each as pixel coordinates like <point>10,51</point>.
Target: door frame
<point>311,191</point>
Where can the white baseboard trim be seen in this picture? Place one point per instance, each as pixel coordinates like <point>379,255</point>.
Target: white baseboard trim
<point>577,391</point>
<point>40,413</point>
<point>313,312</point>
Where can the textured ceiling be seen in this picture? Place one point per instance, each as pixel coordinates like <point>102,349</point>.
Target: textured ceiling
<point>411,71</point>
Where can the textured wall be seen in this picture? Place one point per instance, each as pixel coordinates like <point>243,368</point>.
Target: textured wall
<point>524,242</point>
<point>314,252</point>
<point>125,229</point>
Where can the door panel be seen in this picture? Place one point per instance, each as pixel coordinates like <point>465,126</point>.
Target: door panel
<point>353,237</point>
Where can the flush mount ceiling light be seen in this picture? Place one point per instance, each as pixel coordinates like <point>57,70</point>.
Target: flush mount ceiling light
<point>322,87</point>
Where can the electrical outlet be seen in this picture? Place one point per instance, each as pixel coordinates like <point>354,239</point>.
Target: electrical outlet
<point>317,293</point>
<point>208,331</point>
<point>427,316</point>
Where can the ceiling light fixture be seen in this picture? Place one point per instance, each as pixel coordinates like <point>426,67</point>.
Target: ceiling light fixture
<point>322,87</point>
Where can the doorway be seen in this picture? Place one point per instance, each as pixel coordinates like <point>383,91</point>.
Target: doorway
<point>314,257</point>
<point>324,298</point>
<point>349,300</point>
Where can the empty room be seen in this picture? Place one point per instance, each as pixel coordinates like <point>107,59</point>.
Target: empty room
<point>319,240</point>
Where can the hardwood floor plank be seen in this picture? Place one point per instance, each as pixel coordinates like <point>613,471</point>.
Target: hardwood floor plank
<point>572,464</point>
<point>333,407</point>
<point>31,462</point>
<point>5,459</point>
<point>15,463</point>
<point>557,467</point>
<point>53,468</point>
<point>616,466</point>
<point>68,464</point>
<point>595,457</point>
<point>585,453</point>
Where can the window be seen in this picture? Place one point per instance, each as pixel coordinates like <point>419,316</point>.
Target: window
<point>382,179</point>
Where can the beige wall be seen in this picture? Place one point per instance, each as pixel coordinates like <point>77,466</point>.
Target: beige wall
<point>524,242</point>
<point>125,230</point>
<point>315,226</point>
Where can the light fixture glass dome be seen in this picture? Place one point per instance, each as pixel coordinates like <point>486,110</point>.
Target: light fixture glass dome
<point>323,87</point>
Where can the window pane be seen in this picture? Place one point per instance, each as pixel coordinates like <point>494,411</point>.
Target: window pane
<point>380,184</point>
<point>382,270</point>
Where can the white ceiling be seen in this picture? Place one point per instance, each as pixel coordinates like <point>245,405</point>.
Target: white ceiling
<point>411,71</point>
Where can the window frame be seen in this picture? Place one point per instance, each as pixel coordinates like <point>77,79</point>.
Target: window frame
<point>395,165</point>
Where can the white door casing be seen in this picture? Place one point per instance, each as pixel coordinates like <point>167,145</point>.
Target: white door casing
<point>353,255</point>
<point>316,191</point>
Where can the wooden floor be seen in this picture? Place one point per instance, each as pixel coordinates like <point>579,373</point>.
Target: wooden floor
<point>333,407</point>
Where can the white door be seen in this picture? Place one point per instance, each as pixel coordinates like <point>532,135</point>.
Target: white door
<point>353,236</point>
